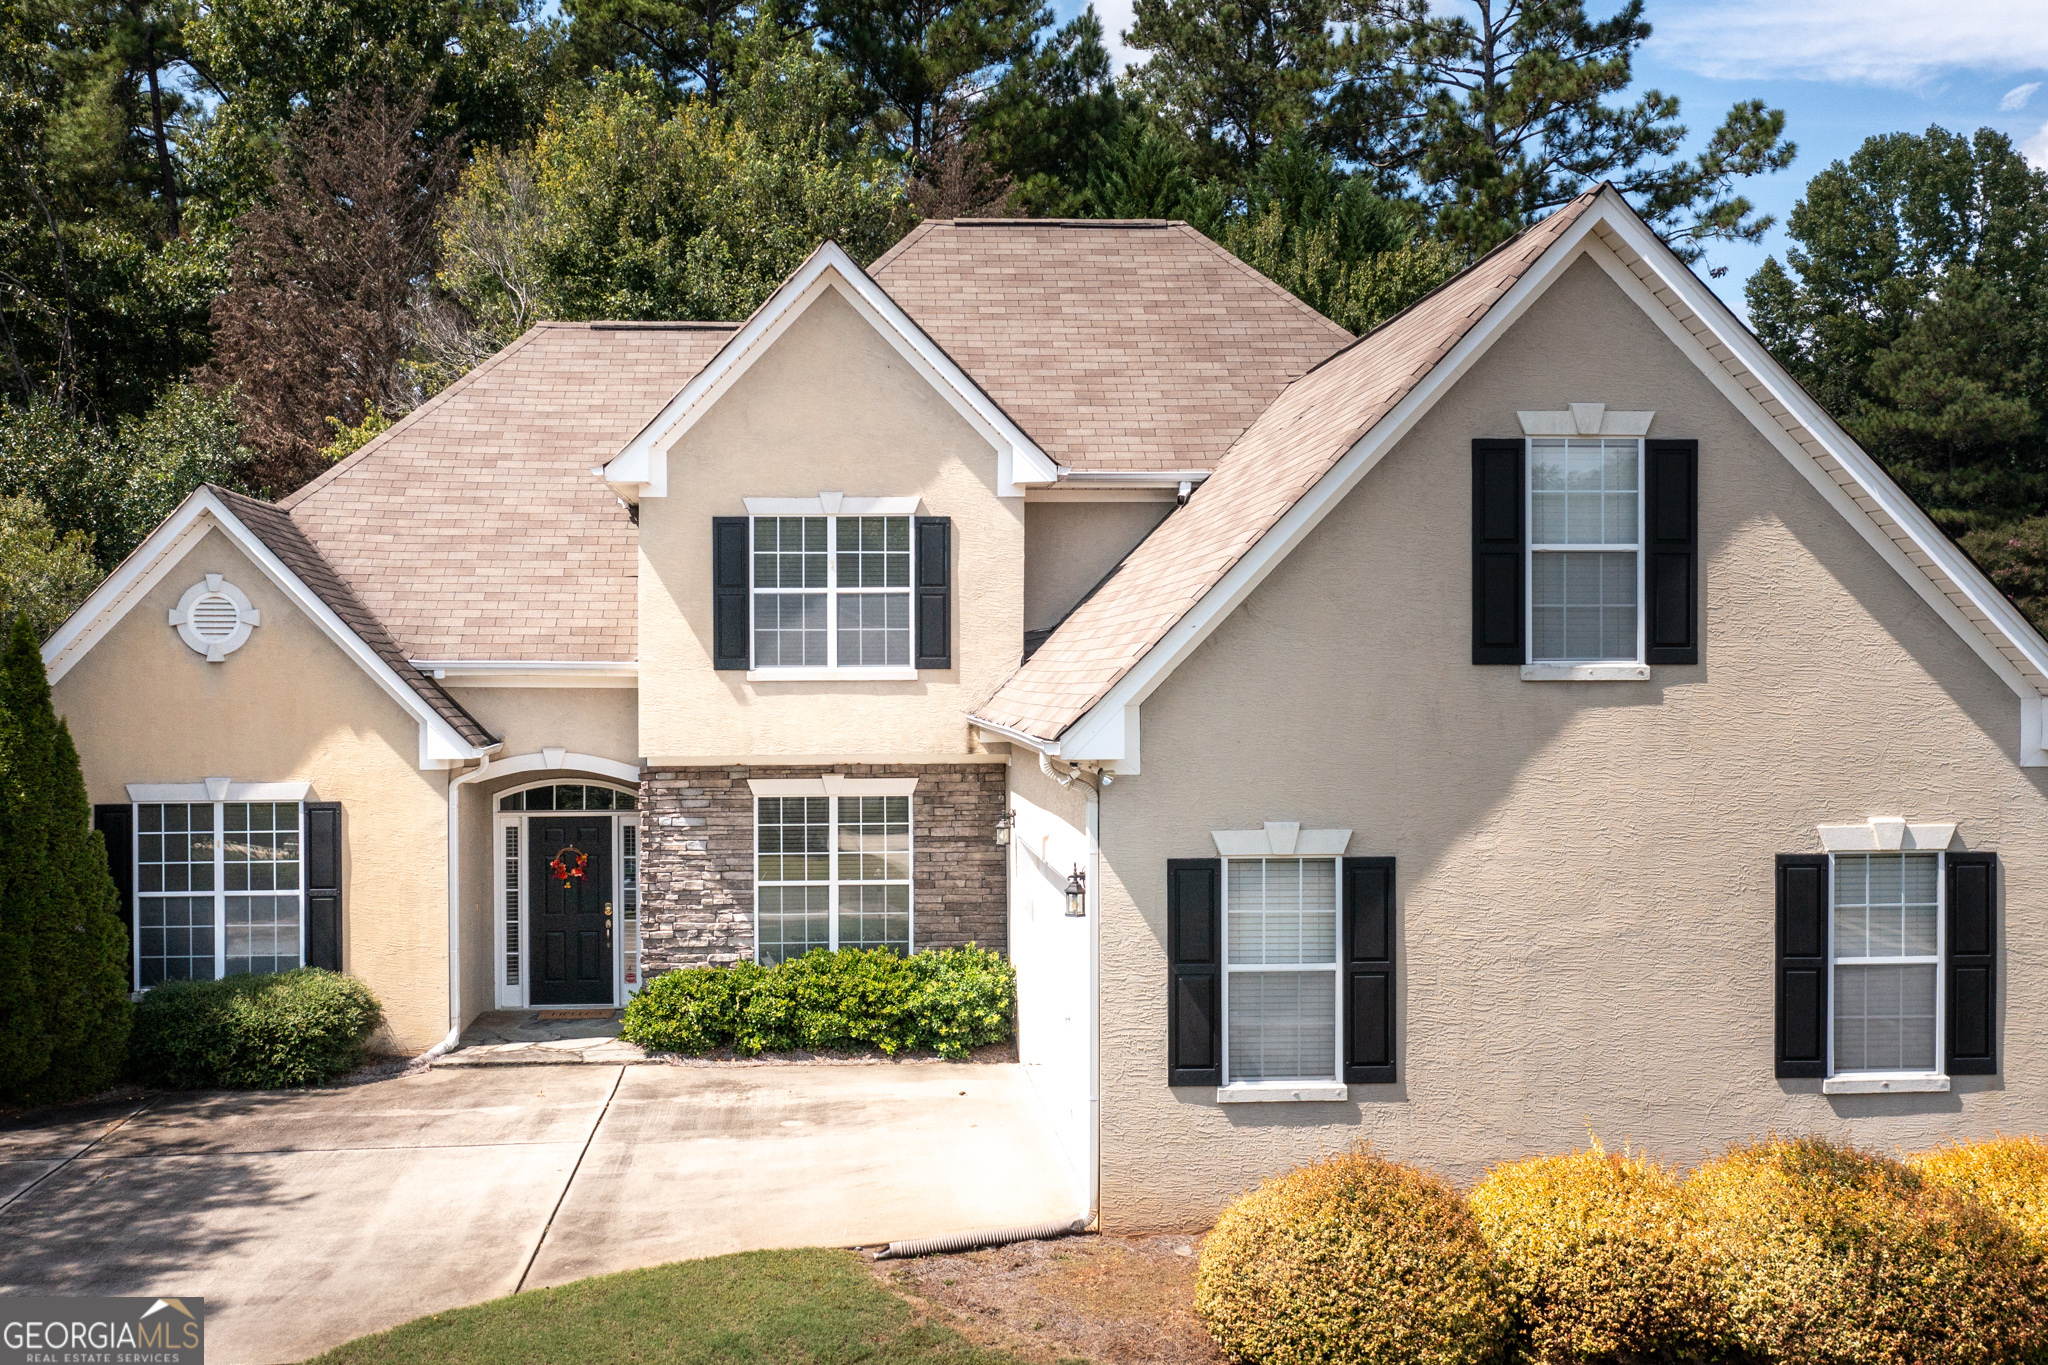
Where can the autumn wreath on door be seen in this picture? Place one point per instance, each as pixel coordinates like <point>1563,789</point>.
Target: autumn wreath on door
<point>569,866</point>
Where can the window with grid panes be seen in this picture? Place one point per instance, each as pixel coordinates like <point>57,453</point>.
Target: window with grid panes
<point>1280,969</point>
<point>831,872</point>
<point>831,592</point>
<point>1585,497</point>
<point>1887,962</point>
<point>218,889</point>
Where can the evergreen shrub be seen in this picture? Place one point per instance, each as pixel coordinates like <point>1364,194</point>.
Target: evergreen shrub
<point>950,1002</point>
<point>1354,1260</point>
<point>1601,1257</point>
<point>1827,1255</point>
<point>254,1031</point>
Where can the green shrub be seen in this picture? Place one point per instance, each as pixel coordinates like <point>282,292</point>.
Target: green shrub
<point>1827,1255</point>
<point>949,1002</point>
<point>1602,1257</point>
<point>252,1032</point>
<point>1354,1260</point>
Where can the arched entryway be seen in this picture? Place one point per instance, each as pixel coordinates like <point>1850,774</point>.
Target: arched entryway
<point>567,880</point>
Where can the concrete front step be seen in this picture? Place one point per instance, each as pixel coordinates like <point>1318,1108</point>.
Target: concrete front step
<point>527,1038</point>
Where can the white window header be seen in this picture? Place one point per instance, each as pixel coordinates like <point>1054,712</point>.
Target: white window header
<point>832,504</point>
<point>1884,834</point>
<point>833,784</point>
<point>1586,419</point>
<point>218,789</point>
<point>1282,839</point>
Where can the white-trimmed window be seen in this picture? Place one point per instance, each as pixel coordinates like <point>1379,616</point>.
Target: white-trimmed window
<point>218,889</point>
<point>1280,989</point>
<point>831,592</point>
<point>831,872</point>
<point>1885,958</point>
<point>1585,569</point>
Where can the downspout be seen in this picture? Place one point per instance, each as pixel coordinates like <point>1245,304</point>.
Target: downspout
<point>455,907</point>
<point>1045,766</point>
<point>1094,1156</point>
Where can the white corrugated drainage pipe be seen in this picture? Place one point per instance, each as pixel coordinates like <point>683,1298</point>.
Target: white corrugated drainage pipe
<point>988,1237</point>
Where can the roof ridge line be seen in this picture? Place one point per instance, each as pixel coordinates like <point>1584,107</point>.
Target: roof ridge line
<point>1246,268</point>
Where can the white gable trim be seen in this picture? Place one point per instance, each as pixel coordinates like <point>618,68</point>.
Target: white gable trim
<point>161,553</point>
<point>640,470</point>
<point>1108,732</point>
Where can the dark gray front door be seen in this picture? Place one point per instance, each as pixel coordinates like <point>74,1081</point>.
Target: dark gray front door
<point>572,915</point>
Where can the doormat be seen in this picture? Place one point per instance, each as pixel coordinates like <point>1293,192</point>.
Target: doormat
<point>550,1016</point>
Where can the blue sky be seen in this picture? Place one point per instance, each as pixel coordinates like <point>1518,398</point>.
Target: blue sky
<point>1840,69</point>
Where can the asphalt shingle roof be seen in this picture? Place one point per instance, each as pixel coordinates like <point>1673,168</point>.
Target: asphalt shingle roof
<point>1278,459</point>
<point>1116,345</point>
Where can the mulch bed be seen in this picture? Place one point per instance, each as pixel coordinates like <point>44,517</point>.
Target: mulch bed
<point>1118,1300</point>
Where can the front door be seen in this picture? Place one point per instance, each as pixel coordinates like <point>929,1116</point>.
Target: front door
<point>569,863</point>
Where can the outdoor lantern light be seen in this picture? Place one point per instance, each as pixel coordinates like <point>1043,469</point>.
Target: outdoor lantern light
<point>1077,893</point>
<point>1004,826</point>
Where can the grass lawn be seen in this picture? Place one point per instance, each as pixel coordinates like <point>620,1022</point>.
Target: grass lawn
<point>770,1307</point>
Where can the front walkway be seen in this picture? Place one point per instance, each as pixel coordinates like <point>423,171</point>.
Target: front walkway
<point>543,1038</point>
<point>305,1218</point>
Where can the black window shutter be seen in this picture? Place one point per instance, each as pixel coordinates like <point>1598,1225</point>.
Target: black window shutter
<point>1972,970</point>
<point>1194,955</point>
<point>323,885</point>
<point>1671,530</point>
<point>729,580</point>
<point>934,592</point>
<point>1497,610</point>
<point>1802,964</point>
<point>1368,971</point>
<point>116,825</point>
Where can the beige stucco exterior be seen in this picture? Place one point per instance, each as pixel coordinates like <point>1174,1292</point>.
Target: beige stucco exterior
<point>1585,870</point>
<point>288,706</point>
<point>1071,546</point>
<point>829,406</point>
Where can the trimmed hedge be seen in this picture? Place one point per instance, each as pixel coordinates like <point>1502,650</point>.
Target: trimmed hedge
<point>1602,1257</point>
<point>252,1032</point>
<point>2009,1174</point>
<point>1354,1260</point>
<point>950,1002</point>
<point>1827,1255</point>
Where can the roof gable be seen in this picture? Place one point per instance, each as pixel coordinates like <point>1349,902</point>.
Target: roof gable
<point>1081,693</point>
<point>1126,346</point>
<point>640,469</point>
<point>269,540</point>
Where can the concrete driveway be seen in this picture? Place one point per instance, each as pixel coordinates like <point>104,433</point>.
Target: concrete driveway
<point>308,1218</point>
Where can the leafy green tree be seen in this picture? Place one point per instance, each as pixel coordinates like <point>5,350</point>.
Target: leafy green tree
<point>1501,114</point>
<point>688,46</point>
<point>1233,76</point>
<point>913,61</point>
<point>1916,310</point>
<point>44,576</point>
<point>623,211</point>
<point>1353,255</point>
<point>64,1012</point>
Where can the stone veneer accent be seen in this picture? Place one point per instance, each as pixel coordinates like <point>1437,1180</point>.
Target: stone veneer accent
<point>697,859</point>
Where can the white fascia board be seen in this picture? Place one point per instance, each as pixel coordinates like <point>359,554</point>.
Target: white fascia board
<point>641,468</point>
<point>1049,747</point>
<point>530,673</point>
<point>1109,731</point>
<point>168,545</point>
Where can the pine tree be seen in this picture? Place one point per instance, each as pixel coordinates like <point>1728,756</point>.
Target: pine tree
<point>67,1009</point>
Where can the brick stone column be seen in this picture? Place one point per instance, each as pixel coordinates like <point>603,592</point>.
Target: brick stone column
<point>697,859</point>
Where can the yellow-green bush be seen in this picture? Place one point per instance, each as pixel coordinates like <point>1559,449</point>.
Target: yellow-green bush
<point>1601,1257</point>
<point>1827,1255</point>
<point>2009,1174</point>
<point>1352,1259</point>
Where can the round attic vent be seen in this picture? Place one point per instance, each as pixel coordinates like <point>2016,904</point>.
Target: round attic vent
<point>214,618</point>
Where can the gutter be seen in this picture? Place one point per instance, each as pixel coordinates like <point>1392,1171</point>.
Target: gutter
<point>455,1019</point>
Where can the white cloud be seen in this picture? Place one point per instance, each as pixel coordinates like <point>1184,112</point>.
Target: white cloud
<point>1116,16</point>
<point>1886,42</point>
<point>2017,97</point>
<point>2036,149</point>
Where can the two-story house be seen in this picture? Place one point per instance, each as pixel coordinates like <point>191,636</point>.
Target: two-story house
<point>1535,713</point>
